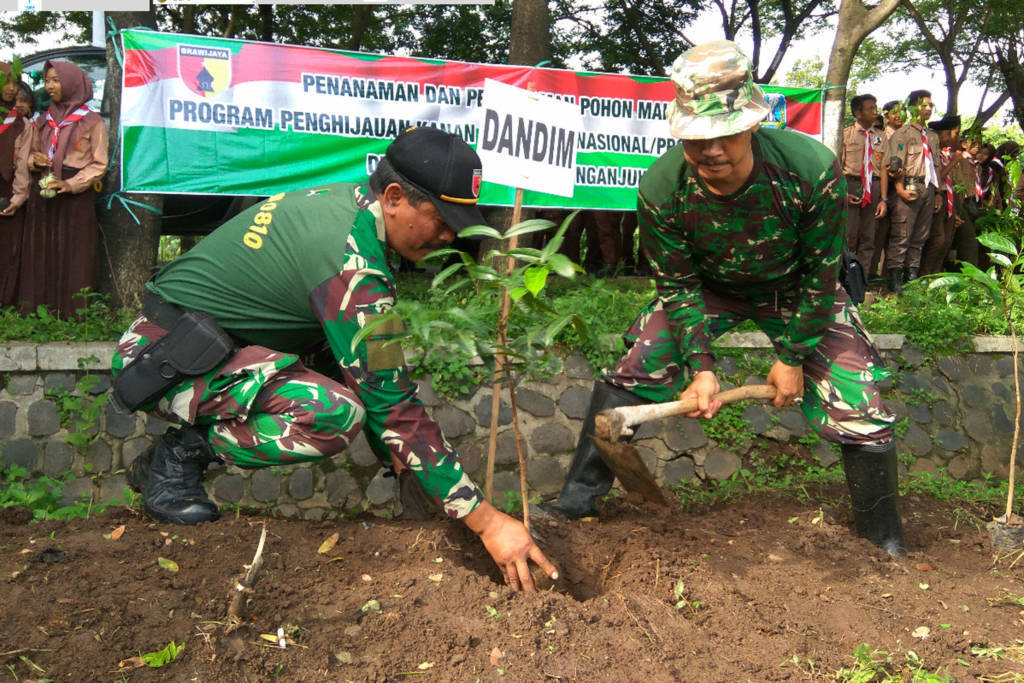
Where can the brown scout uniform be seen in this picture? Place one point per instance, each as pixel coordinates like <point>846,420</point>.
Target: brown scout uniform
<point>911,221</point>
<point>861,223</point>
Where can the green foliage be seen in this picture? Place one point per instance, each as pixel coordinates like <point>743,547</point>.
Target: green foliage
<point>512,501</point>
<point>728,427</point>
<point>42,496</point>
<point>164,656</point>
<point>928,321</point>
<point>96,321</point>
<point>80,411</point>
<point>477,325</point>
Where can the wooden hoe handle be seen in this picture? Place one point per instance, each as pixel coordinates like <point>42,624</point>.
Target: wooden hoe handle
<point>615,422</point>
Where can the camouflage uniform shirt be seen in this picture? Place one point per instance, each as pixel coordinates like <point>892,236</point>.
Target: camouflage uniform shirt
<point>778,238</point>
<point>311,265</point>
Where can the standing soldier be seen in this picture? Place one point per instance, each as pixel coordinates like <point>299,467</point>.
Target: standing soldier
<point>916,200</point>
<point>747,223</point>
<point>866,178</point>
<point>217,346</point>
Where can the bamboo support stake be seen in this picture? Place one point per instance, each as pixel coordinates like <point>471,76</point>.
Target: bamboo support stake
<point>236,607</point>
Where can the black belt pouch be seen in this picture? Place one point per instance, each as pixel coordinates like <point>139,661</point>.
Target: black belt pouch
<point>194,346</point>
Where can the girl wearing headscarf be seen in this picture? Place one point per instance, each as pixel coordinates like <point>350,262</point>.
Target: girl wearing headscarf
<point>12,136</point>
<point>60,234</point>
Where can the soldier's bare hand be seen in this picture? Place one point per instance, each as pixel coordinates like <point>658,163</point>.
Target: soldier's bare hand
<point>703,387</point>
<point>788,381</point>
<point>510,545</point>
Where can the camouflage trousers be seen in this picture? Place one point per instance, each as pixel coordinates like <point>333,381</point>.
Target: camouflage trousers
<point>260,407</point>
<point>841,399</point>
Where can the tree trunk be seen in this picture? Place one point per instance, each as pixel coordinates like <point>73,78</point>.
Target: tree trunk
<point>128,249</point>
<point>856,21</point>
<point>530,41</point>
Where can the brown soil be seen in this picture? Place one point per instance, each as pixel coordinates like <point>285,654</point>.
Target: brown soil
<point>785,592</point>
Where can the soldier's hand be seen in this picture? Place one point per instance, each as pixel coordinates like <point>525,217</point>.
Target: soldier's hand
<point>788,381</point>
<point>702,388</point>
<point>510,545</point>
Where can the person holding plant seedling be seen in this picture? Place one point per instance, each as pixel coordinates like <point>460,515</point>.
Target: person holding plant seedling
<point>12,137</point>
<point>217,346</point>
<point>57,177</point>
<point>748,223</point>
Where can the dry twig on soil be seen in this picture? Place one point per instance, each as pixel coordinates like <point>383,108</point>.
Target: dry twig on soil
<point>236,608</point>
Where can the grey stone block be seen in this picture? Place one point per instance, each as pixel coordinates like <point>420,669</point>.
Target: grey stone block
<point>425,392</point>
<point>535,404</point>
<point>978,364</point>
<point>1004,366</point>
<point>1000,422</point>
<point>552,438</point>
<point>342,489</point>
<point>950,440</point>
<point>648,430</point>
<point>973,395</point>
<point>578,367</point>
<point>22,385</point>
<point>454,422</point>
<point>1002,392</point>
<point>300,483</point>
<point>919,413</point>
<point>359,452</point>
<point>954,368</point>
<point>962,468</point>
<point>726,365</point>
<point>825,453</point>
<point>314,514</point>
<point>484,407</point>
<point>504,482</point>
<point>757,417</point>
<point>381,489</point>
<point>914,382</point>
<point>66,355</point>
<point>17,357</point>
<point>944,412</point>
<point>286,511</point>
<point>721,464</point>
<point>131,449</point>
<point>471,455</point>
<point>43,418</point>
<point>155,426</point>
<point>57,457</point>
<point>897,408</point>
<point>265,485</point>
<point>8,410</point>
<point>575,401</point>
<point>917,440</point>
<point>793,420</point>
<point>229,488</point>
<point>59,381</point>
<point>76,490</point>
<point>112,488</point>
<point>100,456</point>
<point>100,385</point>
<point>21,452</point>
<point>680,469</point>
<point>977,425</point>
<point>545,475</point>
<point>120,425</point>
<point>683,434</point>
<point>912,355</point>
<point>505,451</point>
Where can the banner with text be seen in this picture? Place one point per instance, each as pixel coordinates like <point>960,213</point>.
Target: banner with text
<point>217,116</point>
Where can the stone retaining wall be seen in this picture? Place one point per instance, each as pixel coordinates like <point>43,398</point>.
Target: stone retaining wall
<point>955,413</point>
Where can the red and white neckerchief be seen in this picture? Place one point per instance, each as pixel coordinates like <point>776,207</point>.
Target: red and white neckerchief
<point>11,118</point>
<point>930,176</point>
<point>867,169</point>
<point>947,157</point>
<point>979,189</point>
<point>71,118</point>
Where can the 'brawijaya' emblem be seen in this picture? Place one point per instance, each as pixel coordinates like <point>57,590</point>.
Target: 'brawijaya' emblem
<point>205,70</point>
<point>776,117</point>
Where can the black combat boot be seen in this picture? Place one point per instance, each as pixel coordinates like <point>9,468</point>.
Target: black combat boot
<point>588,475</point>
<point>170,478</point>
<point>912,274</point>
<point>894,280</point>
<point>872,477</point>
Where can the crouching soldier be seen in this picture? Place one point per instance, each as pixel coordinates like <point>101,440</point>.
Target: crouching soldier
<point>217,346</point>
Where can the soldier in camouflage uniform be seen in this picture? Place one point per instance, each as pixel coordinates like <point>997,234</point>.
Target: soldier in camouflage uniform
<point>742,223</point>
<point>281,278</point>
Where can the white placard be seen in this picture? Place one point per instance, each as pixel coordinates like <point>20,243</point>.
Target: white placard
<point>527,139</point>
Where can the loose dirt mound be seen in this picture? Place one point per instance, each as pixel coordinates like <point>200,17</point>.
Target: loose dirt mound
<point>760,589</point>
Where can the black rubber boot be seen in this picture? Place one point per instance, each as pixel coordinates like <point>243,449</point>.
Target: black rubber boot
<point>872,476</point>
<point>894,280</point>
<point>912,274</point>
<point>588,475</point>
<point>170,478</point>
<point>417,504</point>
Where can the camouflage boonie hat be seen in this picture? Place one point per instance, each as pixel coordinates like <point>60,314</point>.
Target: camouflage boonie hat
<point>715,93</point>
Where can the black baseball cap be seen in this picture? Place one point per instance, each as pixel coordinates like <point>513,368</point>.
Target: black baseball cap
<point>444,168</point>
